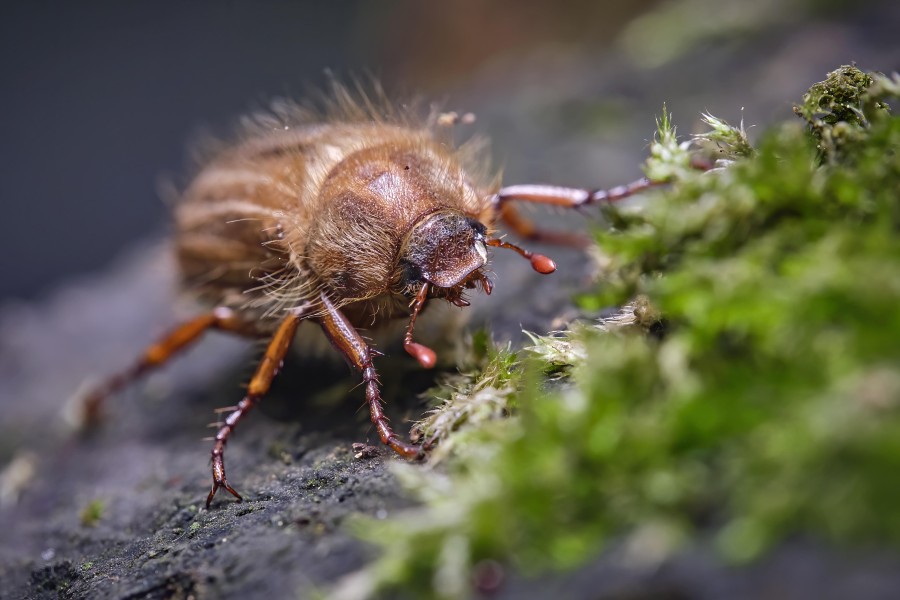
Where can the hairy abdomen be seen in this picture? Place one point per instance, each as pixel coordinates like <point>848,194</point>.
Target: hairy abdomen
<point>230,224</point>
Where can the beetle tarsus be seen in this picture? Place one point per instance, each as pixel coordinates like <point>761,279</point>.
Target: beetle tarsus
<point>215,488</point>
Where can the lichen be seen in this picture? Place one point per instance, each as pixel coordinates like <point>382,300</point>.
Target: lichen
<point>751,392</point>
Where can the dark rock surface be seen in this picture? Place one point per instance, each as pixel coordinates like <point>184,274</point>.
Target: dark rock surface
<point>119,512</point>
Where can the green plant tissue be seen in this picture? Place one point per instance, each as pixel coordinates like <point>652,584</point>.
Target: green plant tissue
<point>750,391</point>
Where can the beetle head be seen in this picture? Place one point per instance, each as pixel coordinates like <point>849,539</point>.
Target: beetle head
<point>443,255</point>
<point>445,249</point>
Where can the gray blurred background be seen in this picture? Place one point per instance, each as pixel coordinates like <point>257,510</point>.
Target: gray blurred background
<point>99,98</point>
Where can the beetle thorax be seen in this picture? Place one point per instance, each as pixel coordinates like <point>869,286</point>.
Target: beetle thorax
<point>380,201</point>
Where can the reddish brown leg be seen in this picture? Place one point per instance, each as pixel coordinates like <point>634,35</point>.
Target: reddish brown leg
<point>269,365</point>
<point>526,229</point>
<point>557,196</point>
<point>349,343</point>
<point>159,353</point>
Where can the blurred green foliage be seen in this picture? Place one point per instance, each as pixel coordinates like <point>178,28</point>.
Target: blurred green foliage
<point>765,404</point>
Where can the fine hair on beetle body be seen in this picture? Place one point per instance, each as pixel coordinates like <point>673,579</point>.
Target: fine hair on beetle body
<point>308,201</point>
<point>352,215</point>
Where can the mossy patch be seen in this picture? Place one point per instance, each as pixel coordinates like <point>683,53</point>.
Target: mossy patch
<point>750,393</point>
<point>839,109</point>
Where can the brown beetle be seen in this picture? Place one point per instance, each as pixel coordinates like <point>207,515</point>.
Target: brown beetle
<point>350,218</point>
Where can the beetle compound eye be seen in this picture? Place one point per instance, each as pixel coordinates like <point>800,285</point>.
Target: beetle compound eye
<point>412,274</point>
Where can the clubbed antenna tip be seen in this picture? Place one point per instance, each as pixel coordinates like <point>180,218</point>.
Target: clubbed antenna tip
<point>540,263</point>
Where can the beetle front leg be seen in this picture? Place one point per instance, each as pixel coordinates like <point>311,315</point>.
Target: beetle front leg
<point>568,197</point>
<point>565,197</point>
<point>348,342</point>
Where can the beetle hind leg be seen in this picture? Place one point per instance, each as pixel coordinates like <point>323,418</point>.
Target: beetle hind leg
<point>89,402</point>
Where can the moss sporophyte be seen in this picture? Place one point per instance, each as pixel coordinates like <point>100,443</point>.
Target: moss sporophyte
<point>749,392</point>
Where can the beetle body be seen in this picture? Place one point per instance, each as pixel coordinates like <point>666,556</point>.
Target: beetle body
<point>348,218</point>
<point>340,208</point>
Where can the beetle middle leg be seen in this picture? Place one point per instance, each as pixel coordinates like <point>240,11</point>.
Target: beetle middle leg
<point>348,342</point>
<point>262,379</point>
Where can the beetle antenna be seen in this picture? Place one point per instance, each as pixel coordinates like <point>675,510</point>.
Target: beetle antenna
<point>425,355</point>
<point>540,263</point>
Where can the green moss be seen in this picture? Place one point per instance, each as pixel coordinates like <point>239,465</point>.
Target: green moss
<point>767,406</point>
<point>840,109</point>
<point>92,513</point>
<point>837,98</point>
<point>483,392</point>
